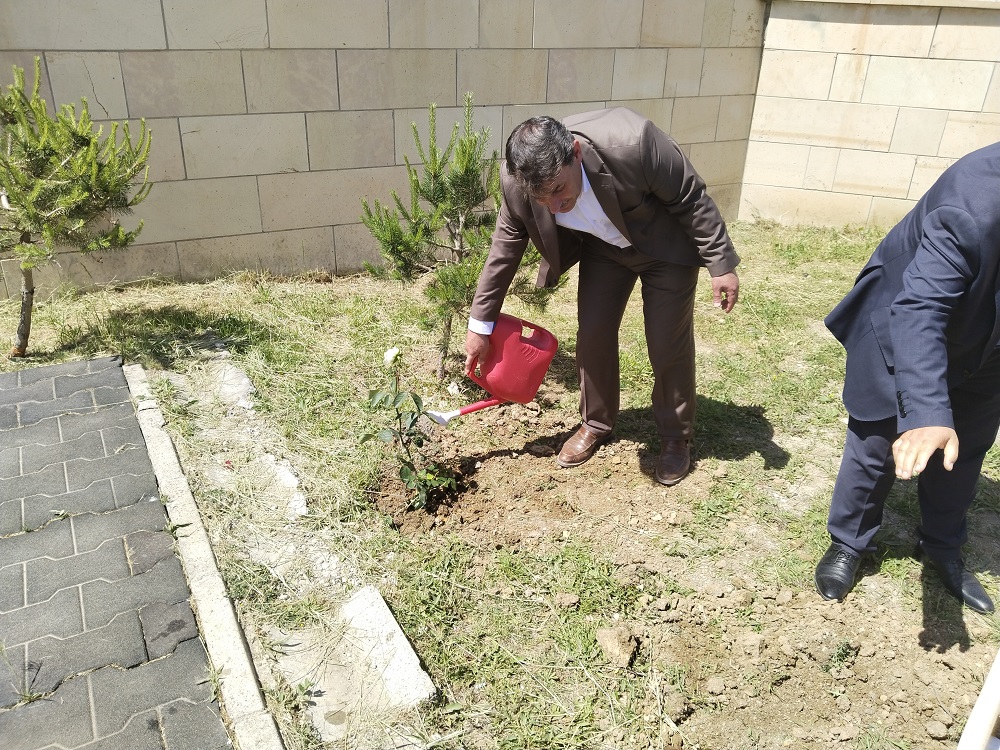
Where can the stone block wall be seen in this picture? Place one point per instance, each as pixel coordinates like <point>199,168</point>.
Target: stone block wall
<point>271,120</point>
<point>861,105</point>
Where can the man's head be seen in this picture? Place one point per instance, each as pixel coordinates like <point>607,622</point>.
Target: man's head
<point>544,158</point>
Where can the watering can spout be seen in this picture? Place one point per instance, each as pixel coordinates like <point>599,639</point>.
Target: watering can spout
<point>513,369</point>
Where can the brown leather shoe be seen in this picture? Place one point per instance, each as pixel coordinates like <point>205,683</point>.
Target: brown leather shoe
<point>674,462</point>
<point>580,447</point>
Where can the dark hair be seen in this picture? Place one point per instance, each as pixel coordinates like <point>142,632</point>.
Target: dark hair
<point>536,150</point>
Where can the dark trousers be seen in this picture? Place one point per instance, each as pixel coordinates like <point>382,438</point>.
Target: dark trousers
<point>867,473</point>
<point>607,277</point>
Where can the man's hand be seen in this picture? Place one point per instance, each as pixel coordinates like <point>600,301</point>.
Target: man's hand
<point>725,290</point>
<point>477,346</point>
<point>913,449</point>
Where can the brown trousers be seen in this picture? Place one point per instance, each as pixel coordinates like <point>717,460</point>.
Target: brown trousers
<point>607,278</point>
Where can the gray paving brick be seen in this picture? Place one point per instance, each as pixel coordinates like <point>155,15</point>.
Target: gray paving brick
<point>107,396</point>
<point>103,600</point>
<point>145,549</point>
<point>8,418</point>
<point>45,432</point>
<point>126,435</point>
<point>11,676</point>
<point>59,616</point>
<point>37,457</point>
<point>43,577</point>
<point>62,719</point>
<point>35,374</point>
<point>11,588</point>
<point>51,660</point>
<point>92,529</point>
<point>11,520</point>
<point>41,391</point>
<point>83,472</point>
<point>67,385</point>
<point>111,362</point>
<point>33,411</point>
<point>164,626</point>
<point>55,541</point>
<point>119,695</point>
<point>8,380</point>
<point>49,481</point>
<point>141,733</point>
<point>97,498</point>
<point>10,463</point>
<point>74,425</point>
<point>193,727</point>
<point>132,488</point>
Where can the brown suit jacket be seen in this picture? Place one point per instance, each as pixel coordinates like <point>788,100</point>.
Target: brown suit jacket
<point>648,189</point>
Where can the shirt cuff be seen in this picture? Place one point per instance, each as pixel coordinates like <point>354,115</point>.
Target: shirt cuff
<point>479,326</point>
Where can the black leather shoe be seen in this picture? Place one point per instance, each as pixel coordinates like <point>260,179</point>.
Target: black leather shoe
<point>959,582</point>
<point>836,571</point>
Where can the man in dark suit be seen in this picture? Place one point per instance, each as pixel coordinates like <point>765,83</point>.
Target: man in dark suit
<point>923,376</point>
<point>611,190</point>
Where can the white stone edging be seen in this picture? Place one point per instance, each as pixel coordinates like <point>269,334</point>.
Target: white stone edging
<point>995,4</point>
<point>252,725</point>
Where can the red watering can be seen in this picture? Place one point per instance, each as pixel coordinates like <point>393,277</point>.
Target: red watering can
<point>514,367</point>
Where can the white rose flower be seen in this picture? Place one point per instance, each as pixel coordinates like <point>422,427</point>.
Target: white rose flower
<point>390,356</point>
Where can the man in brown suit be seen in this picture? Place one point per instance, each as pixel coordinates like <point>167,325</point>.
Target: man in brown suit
<point>611,190</point>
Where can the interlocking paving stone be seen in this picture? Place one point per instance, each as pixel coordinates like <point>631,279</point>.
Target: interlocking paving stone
<point>130,488</point>
<point>193,727</point>
<point>145,549</point>
<point>90,530</point>
<point>61,719</point>
<point>37,457</point>
<point>164,626</point>
<point>60,616</point>
<point>52,660</point>
<point>143,732</point>
<point>107,396</point>
<point>8,418</point>
<point>33,412</point>
<point>74,425</point>
<point>40,509</point>
<point>11,587</point>
<point>11,519</point>
<point>103,600</point>
<point>54,541</point>
<point>45,432</point>
<point>44,577</point>
<point>10,463</point>
<point>83,472</point>
<point>49,481</point>
<point>67,385</point>
<point>11,676</point>
<point>42,391</point>
<point>124,437</point>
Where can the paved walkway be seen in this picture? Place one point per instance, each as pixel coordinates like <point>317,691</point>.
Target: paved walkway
<point>100,649</point>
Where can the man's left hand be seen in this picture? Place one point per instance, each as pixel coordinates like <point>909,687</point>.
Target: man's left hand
<point>913,449</point>
<point>725,291</point>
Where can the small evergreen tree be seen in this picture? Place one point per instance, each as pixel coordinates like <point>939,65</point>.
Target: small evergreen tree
<point>61,185</point>
<point>445,229</point>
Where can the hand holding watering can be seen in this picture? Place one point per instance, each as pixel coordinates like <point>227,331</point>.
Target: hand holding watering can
<point>513,367</point>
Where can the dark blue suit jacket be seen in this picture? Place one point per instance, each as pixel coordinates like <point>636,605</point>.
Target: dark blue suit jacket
<point>922,316</point>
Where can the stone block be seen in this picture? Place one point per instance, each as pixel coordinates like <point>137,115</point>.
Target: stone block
<point>244,145</point>
<point>967,34</point>
<point>63,719</point>
<point>143,732</point>
<point>172,84</point>
<point>446,118</point>
<point>328,24</point>
<point>11,578</point>
<point>44,577</point>
<point>200,208</point>
<point>10,463</point>
<point>25,60</point>
<point>966,131</point>
<point>133,488</point>
<point>721,162</point>
<point>145,549</point>
<point>748,24</point>
<point>283,253</point>
<point>59,617</point>
<point>55,24</point>
<point>797,206</point>
<point>864,29</point>
<point>290,80</point>
<point>514,115</point>
<point>992,103</point>
<point>448,24</point>
<point>718,23</point>
<point>103,600</point>
<point>503,77</point>
<point>66,384</point>
<point>222,24</point>
<point>874,173</point>
<point>821,168</point>
<point>887,212</point>
<point>638,74</point>
<point>11,676</point>
<point>81,473</point>
<point>505,24</point>
<point>695,119</point>
<point>729,72</point>
<point>735,117</point>
<point>39,509</point>
<point>849,76</point>
<point>672,23</point>
<point>314,199</point>
<point>85,272</point>
<point>347,140</point>
<point>660,111</point>
<point>37,457</point>
<point>50,481</point>
<point>193,727</point>
<point>40,390</point>
<point>790,73</point>
<point>781,164</point>
<point>355,246</point>
<point>91,530</point>
<point>683,76</point>
<point>918,131</point>
<point>94,75</point>
<point>383,79</point>
<point>926,173</point>
<point>592,23</point>
<point>838,124</point>
<point>164,626</point>
<point>579,74</point>
<point>73,425</point>
<point>931,84</point>
<point>727,198</point>
<point>166,159</point>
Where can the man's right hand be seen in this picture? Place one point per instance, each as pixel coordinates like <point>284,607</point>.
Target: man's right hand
<point>913,449</point>
<point>477,346</point>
